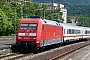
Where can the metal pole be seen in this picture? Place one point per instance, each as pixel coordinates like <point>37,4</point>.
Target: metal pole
<point>52,9</point>
<point>15,20</point>
<point>21,10</point>
<point>44,14</point>
<point>52,5</point>
<point>58,16</point>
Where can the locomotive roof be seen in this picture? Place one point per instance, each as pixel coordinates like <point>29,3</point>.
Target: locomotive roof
<point>44,21</point>
<point>51,22</point>
<point>32,19</point>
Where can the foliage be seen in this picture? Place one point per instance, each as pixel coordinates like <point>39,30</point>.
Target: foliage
<point>74,7</point>
<point>3,23</point>
<point>11,13</point>
<point>71,2</point>
<point>83,21</point>
<point>79,10</point>
<point>68,19</point>
<point>7,19</point>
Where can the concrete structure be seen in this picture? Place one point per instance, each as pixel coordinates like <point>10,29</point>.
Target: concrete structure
<point>64,14</point>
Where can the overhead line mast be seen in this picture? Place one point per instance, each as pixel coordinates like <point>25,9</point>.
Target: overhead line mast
<point>52,11</point>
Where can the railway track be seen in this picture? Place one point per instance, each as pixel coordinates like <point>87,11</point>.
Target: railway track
<point>69,50</point>
<point>13,56</point>
<point>53,54</point>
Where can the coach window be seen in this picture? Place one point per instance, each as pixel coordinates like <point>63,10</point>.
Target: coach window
<point>75,31</point>
<point>78,31</point>
<point>86,32</point>
<point>72,31</point>
<point>68,31</point>
<point>64,31</point>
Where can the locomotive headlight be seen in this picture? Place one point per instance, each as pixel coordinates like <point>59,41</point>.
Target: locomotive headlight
<point>21,34</point>
<point>32,34</point>
<point>33,38</point>
<point>19,37</point>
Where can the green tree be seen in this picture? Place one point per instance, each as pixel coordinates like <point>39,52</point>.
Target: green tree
<point>68,19</point>
<point>83,21</point>
<point>9,15</point>
<point>3,23</point>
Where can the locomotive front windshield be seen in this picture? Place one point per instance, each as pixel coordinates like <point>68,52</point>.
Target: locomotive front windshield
<point>28,26</point>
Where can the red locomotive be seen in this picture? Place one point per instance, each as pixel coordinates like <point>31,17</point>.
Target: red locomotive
<point>35,33</point>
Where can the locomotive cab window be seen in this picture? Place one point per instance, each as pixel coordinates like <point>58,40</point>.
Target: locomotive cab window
<point>28,26</point>
<point>23,26</point>
<point>32,26</point>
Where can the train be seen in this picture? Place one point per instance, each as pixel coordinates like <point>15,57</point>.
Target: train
<point>36,33</point>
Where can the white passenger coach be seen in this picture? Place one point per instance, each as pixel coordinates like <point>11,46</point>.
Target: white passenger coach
<point>72,32</point>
